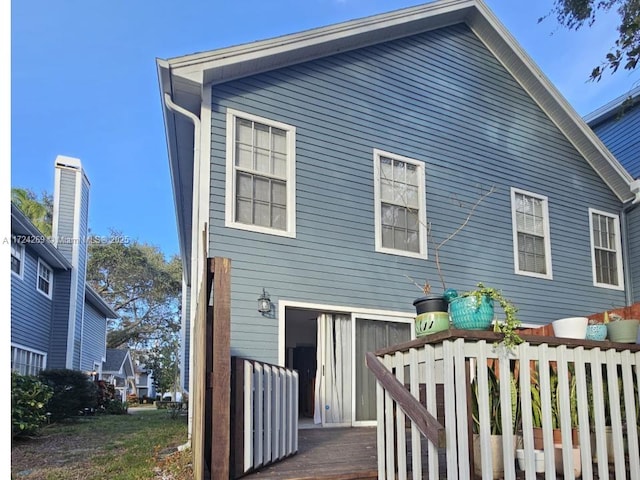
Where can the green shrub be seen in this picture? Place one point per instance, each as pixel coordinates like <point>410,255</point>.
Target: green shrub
<point>116,407</point>
<point>28,399</point>
<point>73,391</point>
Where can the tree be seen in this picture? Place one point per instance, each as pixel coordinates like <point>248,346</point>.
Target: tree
<point>162,359</point>
<point>141,286</point>
<point>573,14</point>
<point>37,209</point>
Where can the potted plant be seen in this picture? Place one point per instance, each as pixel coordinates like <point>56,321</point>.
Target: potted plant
<point>622,330</point>
<point>432,302</point>
<point>597,330</point>
<point>495,419</point>
<point>474,310</point>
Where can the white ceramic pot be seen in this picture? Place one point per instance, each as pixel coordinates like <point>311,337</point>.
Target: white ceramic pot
<point>571,327</point>
<point>577,466</point>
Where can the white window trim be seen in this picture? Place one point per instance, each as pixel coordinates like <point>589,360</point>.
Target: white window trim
<point>230,184</point>
<point>50,294</point>
<point>547,235</point>
<point>619,265</point>
<point>22,259</point>
<point>422,214</point>
<point>31,350</point>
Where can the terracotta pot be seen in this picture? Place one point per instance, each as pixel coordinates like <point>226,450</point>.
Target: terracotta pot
<point>557,437</point>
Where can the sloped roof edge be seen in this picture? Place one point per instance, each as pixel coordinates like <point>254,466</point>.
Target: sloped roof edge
<point>21,225</point>
<point>97,301</point>
<point>610,109</point>
<point>185,77</point>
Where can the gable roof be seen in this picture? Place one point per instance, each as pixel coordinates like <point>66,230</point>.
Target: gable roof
<point>91,296</point>
<point>118,360</point>
<point>182,80</point>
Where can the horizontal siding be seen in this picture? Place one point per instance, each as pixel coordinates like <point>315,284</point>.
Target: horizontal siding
<point>94,338</point>
<point>30,310</point>
<point>621,134</point>
<point>440,98</point>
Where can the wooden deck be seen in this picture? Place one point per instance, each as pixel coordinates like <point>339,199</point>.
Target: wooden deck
<point>327,454</point>
<point>343,454</point>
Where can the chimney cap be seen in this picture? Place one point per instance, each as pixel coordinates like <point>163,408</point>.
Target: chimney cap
<point>64,161</point>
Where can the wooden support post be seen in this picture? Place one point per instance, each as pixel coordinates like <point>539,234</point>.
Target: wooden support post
<point>221,368</point>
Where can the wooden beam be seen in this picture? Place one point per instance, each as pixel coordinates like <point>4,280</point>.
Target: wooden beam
<point>221,365</point>
<point>417,413</point>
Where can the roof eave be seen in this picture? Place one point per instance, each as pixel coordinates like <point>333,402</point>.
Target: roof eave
<point>21,225</point>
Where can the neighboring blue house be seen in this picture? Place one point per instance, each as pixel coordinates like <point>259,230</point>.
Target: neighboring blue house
<point>618,126</point>
<point>57,320</point>
<point>318,162</point>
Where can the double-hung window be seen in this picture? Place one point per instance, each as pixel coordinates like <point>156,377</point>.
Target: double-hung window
<point>400,212</point>
<point>606,249</point>
<point>44,281</point>
<point>260,189</point>
<point>17,258</point>
<point>531,237</point>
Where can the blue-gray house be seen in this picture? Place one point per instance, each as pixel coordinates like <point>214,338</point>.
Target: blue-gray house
<point>57,320</point>
<point>326,165</point>
<point>618,126</point>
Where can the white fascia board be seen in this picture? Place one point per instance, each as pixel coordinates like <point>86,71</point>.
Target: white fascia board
<point>232,62</point>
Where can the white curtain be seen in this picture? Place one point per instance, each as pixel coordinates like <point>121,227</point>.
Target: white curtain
<point>333,377</point>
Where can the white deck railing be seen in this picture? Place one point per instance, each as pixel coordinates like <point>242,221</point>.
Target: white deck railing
<point>593,374</point>
<point>266,417</point>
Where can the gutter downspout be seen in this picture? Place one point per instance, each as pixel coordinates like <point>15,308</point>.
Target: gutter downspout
<point>194,237</point>
<point>624,211</point>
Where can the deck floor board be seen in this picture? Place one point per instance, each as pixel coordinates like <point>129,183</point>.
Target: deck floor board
<point>327,453</point>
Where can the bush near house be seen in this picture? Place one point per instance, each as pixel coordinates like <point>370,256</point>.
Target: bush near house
<point>28,399</point>
<point>73,392</point>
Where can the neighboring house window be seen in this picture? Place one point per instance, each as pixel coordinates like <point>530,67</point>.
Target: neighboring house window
<point>26,362</point>
<point>260,194</point>
<point>400,212</point>
<point>17,258</point>
<point>531,238</point>
<point>606,249</point>
<point>45,279</point>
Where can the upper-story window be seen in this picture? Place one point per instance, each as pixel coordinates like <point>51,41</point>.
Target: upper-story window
<point>260,188</point>
<point>400,212</point>
<point>606,250</point>
<point>531,237</point>
<point>45,279</point>
<point>17,258</point>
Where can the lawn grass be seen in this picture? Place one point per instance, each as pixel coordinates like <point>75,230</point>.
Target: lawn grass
<point>137,446</point>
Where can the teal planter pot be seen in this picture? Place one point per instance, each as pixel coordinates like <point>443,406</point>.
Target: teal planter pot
<point>469,314</point>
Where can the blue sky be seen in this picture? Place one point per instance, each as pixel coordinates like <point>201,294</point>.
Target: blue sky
<point>84,84</point>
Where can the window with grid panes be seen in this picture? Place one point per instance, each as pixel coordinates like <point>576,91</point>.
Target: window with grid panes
<point>262,174</point>
<point>400,205</point>
<point>606,249</point>
<point>532,246</point>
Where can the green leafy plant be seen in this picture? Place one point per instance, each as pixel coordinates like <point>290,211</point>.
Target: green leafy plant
<point>509,326</point>
<point>495,412</point>
<point>536,400</point>
<point>28,399</point>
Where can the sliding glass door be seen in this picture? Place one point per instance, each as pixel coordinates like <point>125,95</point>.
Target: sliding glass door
<point>370,335</point>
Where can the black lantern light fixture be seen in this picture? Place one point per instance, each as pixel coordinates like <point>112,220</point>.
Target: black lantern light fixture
<point>264,302</point>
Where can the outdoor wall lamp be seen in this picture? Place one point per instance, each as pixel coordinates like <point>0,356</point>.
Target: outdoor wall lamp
<point>264,302</point>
